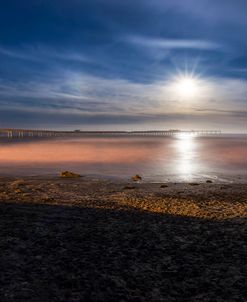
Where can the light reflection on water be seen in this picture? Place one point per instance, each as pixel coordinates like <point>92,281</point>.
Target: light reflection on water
<point>185,146</point>
<point>180,158</point>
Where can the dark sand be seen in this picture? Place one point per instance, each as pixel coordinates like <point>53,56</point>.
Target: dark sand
<point>96,240</point>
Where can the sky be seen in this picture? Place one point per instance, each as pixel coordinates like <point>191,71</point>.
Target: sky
<point>123,65</point>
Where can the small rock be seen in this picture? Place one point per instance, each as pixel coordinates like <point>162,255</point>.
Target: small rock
<point>136,177</point>
<point>164,186</point>
<point>193,183</point>
<point>26,194</point>
<point>209,181</point>
<point>69,174</point>
<point>129,187</point>
<point>17,183</point>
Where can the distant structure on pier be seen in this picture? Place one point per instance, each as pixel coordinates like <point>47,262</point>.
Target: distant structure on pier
<point>21,133</point>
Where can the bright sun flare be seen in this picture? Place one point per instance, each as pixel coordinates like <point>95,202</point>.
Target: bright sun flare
<point>187,87</point>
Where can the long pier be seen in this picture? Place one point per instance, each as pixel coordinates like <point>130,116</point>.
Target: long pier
<point>21,133</point>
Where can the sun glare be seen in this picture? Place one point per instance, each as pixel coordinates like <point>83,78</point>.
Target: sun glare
<point>185,146</point>
<point>187,87</point>
<point>186,136</point>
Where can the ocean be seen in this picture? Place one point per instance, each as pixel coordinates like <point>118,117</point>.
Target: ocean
<point>179,158</point>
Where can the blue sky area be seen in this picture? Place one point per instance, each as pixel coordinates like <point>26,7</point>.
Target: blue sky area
<point>107,64</point>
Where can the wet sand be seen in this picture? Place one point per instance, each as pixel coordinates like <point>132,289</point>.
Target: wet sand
<point>88,239</point>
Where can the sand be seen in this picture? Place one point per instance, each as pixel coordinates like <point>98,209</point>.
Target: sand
<point>89,239</point>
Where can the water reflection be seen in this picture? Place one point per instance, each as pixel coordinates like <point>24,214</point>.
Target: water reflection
<point>184,157</point>
<point>185,146</point>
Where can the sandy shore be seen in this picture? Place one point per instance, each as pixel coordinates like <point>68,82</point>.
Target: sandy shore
<point>99,240</point>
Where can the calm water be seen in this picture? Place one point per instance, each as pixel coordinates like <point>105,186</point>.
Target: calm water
<point>182,158</point>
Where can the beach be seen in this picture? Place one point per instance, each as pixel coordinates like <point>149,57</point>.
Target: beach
<point>96,239</point>
<point>123,151</point>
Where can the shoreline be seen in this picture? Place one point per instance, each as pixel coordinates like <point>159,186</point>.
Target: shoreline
<point>77,191</point>
<point>86,239</point>
<point>216,178</point>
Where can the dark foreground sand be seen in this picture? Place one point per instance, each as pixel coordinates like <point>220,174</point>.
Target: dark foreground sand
<point>94,240</point>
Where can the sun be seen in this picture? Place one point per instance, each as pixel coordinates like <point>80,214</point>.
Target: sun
<point>187,87</point>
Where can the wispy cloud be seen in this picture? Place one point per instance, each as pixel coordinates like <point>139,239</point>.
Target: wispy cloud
<point>70,92</point>
<point>53,119</point>
<point>116,62</point>
<point>43,53</point>
<point>232,113</point>
<point>172,43</point>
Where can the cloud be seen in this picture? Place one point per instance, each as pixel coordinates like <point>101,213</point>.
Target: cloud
<point>232,113</point>
<point>103,61</point>
<point>42,119</point>
<point>71,99</point>
<point>42,53</point>
<point>172,43</point>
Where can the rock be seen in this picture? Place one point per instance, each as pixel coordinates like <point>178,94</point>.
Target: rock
<point>129,187</point>
<point>68,174</point>
<point>209,181</point>
<point>17,183</point>
<point>194,184</point>
<point>164,186</point>
<point>27,195</point>
<point>136,177</point>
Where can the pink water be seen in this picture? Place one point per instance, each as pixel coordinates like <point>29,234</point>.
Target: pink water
<point>183,158</point>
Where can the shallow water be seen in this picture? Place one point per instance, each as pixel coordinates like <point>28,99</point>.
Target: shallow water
<point>180,158</point>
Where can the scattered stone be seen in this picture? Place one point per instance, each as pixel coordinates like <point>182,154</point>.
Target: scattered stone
<point>129,188</point>
<point>194,184</point>
<point>209,181</point>
<point>164,186</point>
<point>69,174</point>
<point>136,177</point>
<point>17,184</point>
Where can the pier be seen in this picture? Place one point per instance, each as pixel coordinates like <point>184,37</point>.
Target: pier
<point>25,133</point>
